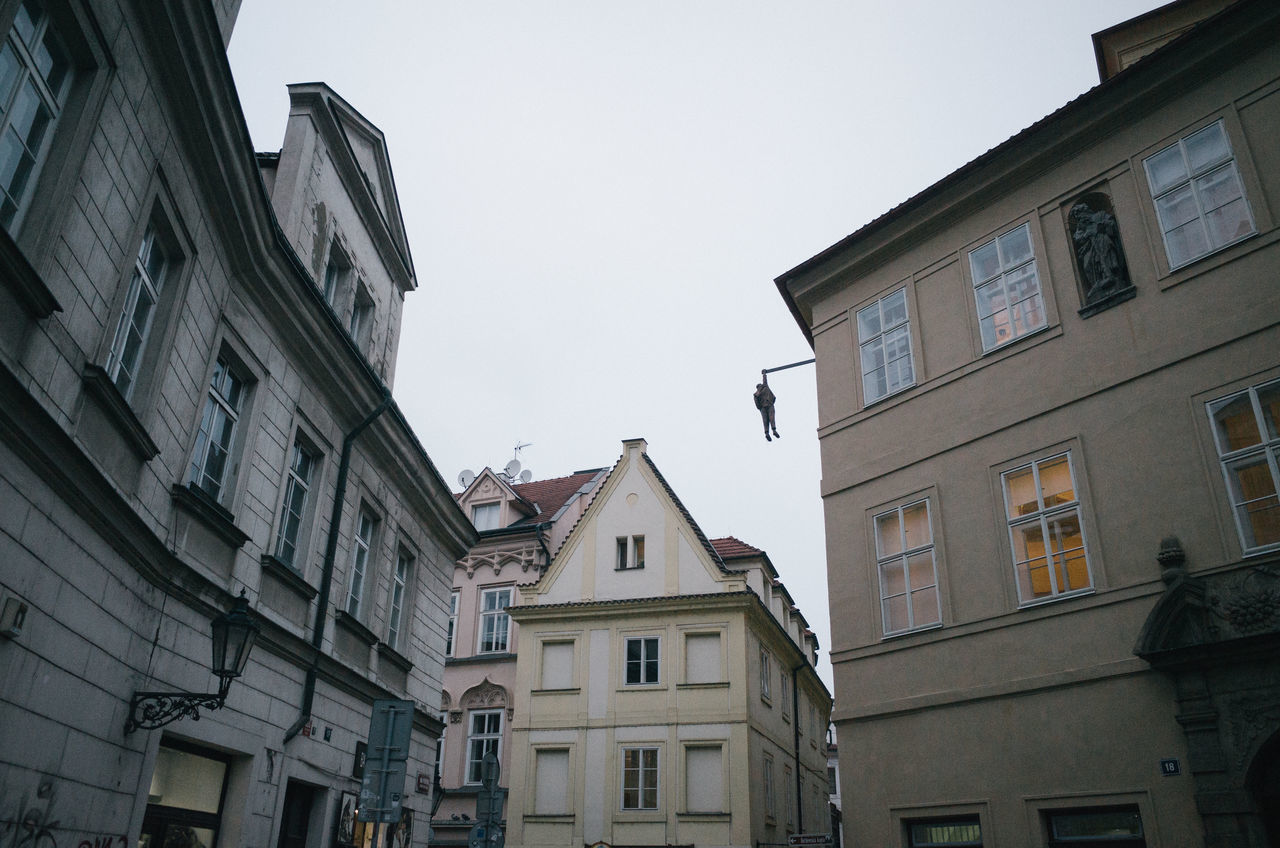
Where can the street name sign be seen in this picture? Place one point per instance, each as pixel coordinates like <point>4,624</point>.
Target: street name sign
<point>806,839</point>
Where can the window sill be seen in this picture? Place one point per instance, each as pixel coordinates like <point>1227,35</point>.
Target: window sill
<point>630,568</point>
<point>707,817</point>
<point>289,576</point>
<point>98,385</point>
<point>1113,299</point>
<point>898,634</point>
<point>479,658</point>
<point>639,816</point>
<point>717,684</point>
<point>550,818</point>
<point>641,687</point>
<point>352,625</point>
<point>210,513</point>
<point>1052,599</point>
<point>24,282</point>
<point>397,659</point>
<point>568,690</point>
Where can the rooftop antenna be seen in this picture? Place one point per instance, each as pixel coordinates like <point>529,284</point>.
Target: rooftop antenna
<point>765,398</point>
<point>512,471</point>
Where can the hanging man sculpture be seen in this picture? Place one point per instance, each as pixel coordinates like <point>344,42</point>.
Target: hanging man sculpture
<point>765,398</point>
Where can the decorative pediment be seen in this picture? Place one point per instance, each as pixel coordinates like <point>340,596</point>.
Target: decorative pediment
<point>1196,615</point>
<point>484,695</point>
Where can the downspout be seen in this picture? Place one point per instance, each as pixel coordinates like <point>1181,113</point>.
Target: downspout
<point>795,730</point>
<point>330,553</point>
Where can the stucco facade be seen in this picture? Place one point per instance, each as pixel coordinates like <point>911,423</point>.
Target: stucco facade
<point>665,688</point>
<point>186,417</point>
<point>1012,428</point>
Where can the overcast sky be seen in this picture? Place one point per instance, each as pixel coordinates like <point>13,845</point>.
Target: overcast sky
<point>599,194</point>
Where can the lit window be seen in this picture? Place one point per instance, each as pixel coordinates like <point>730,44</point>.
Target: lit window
<point>399,586</point>
<point>485,736</point>
<point>1198,196</point>
<point>297,488</point>
<point>884,346</point>
<point>642,660</point>
<point>35,76</point>
<point>485,516</point>
<point>630,552</point>
<point>765,675</point>
<point>908,574</point>
<point>1007,288</point>
<point>452,630</point>
<point>639,778</point>
<point>134,326</point>
<point>494,621</point>
<point>1246,428</point>
<point>1045,530</point>
<point>360,548</point>
<point>217,431</point>
<point>944,833</point>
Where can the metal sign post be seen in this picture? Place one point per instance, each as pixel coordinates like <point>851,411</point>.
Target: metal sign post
<point>390,727</point>
<point>486,833</point>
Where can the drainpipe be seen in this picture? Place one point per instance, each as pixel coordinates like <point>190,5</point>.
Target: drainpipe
<point>330,552</point>
<point>795,730</point>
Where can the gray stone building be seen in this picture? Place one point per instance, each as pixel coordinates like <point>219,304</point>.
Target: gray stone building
<point>1049,403</point>
<point>197,346</point>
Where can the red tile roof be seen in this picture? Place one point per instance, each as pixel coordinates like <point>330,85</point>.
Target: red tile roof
<point>549,495</point>
<point>732,548</point>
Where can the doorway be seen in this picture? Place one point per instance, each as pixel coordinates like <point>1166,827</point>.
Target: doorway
<point>294,819</point>
<point>184,803</point>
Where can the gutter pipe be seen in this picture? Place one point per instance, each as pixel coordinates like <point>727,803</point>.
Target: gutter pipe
<point>330,553</point>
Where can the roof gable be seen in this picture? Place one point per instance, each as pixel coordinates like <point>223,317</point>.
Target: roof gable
<point>634,511</point>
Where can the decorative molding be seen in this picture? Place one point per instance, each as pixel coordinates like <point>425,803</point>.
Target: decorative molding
<point>23,281</point>
<point>99,386</point>
<point>289,576</point>
<point>484,695</point>
<point>1250,717</point>
<point>525,556</point>
<point>212,514</point>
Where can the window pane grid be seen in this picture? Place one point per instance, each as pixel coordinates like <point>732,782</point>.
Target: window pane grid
<point>1045,532</point>
<point>640,778</point>
<point>359,562</point>
<point>297,487</point>
<point>1248,441</point>
<point>485,737</point>
<point>217,429</point>
<point>494,622</point>
<point>642,660</point>
<point>908,573</point>
<point>398,582</point>
<point>1007,288</point>
<point>1199,199</point>
<point>884,336</point>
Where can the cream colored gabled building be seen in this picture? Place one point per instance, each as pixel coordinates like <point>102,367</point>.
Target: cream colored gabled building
<point>665,687</point>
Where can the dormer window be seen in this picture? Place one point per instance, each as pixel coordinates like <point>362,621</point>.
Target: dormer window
<point>485,516</point>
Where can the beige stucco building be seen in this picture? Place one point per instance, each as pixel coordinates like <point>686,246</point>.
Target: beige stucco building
<point>1049,423</point>
<point>665,689</point>
<point>197,346</point>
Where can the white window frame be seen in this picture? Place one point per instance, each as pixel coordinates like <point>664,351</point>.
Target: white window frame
<point>451,634</point>
<point>644,663</point>
<point>482,513</point>
<point>401,597</point>
<point>1008,268</point>
<point>225,401</point>
<point>494,619</point>
<point>649,766</point>
<point>770,798</point>
<point>1264,452</point>
<point>1043,515</point>
<point>1195,177</point>
<point>295,503</point>
<point>878,328</point>
<point>784,694</point>
<point>766,675</point>
<point>479,743</point>
<point>901,557</point>
<point>133,330</point>
<point>362,541</point>
<point>50,96</point>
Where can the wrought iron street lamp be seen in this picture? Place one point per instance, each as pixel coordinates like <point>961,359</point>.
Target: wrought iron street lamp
<point>233,635</point>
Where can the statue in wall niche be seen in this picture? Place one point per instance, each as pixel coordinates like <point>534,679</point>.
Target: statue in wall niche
<point>765,398</point>
<point>1097,244</point>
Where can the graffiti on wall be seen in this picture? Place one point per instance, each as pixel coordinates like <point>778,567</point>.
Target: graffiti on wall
<point>29,823</point>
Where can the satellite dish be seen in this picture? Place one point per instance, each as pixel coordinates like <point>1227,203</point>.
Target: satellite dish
<point>526,476</point>
<point>466,478</point>
<point>512,469</point>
